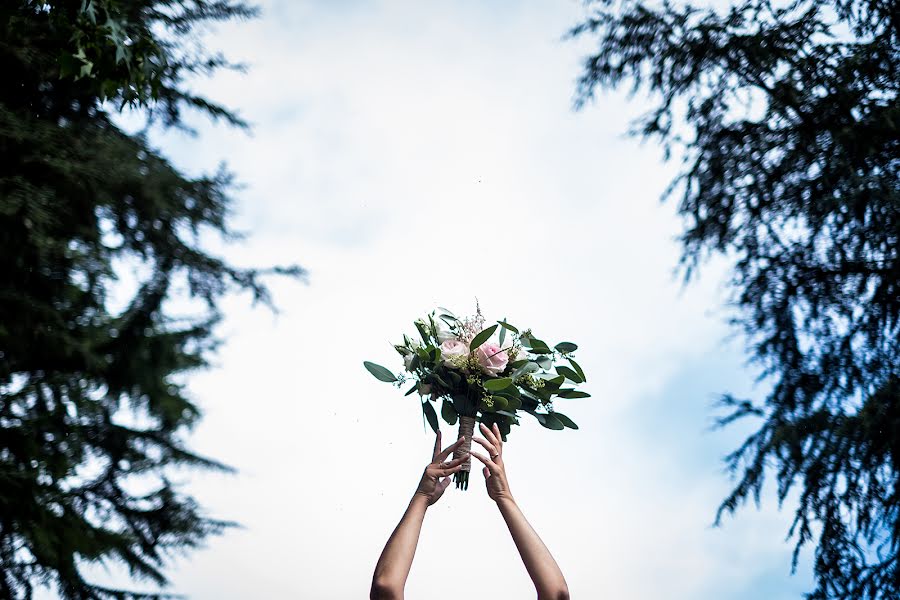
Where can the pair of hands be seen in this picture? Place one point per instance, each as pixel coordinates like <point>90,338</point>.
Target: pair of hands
<point>438,473</point>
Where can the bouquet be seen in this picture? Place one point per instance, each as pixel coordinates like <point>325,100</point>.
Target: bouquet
<point>487,374</point>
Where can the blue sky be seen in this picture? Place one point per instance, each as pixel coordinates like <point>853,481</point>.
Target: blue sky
<point>415,154</point>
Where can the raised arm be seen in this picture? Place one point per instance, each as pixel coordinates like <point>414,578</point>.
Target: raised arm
<point>392,569</point>
<point>542,568</point>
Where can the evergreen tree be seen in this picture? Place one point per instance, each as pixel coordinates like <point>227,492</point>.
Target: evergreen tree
<point>787,117</point>
<point>92,405</point>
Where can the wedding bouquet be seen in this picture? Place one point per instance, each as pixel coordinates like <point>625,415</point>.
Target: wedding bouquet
<point>485,374</point>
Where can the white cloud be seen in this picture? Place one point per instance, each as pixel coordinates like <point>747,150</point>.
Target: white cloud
<point>417,154</point>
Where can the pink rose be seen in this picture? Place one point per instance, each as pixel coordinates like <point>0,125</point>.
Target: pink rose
<point>491,359</point>
<point>451,348</point>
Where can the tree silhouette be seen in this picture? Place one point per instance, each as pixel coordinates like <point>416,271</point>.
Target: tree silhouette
<point>787,118</point>
<point>92,405</point>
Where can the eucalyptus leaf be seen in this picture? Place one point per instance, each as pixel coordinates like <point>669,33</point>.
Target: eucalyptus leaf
<point>412,389</point>
<point>566,421</point>
<point>540,346</point>
<point>509,414</point>
<point>493,385</point>
<point>511,391</point>
<point>551,422</point>
<point>431,415</point>
<point>380,372</point>
<point>448,412</point>
<point>567,393</point>
<point>566,347</point>
<point>569,374</point>
<point>577,368</point>
<point>507,326</point>
<point>528,367</point>
<point>482,337</point>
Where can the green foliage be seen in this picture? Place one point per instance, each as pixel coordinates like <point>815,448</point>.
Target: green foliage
<point>526,383</point>
<point>483,337</point>
<point>788,119</point>
<point>92,401</point>
<point>379,372</point>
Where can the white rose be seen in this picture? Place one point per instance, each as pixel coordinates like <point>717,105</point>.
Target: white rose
<point>452,348</point>
<point>407,360</point>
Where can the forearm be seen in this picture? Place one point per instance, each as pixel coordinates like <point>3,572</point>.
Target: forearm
<point>396,559</point>
<point>542,568</point>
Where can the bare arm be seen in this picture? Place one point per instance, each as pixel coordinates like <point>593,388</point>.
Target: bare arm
<point>542,568</point>
<point>393,566</point>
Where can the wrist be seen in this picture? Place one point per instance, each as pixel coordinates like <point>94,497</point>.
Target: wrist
<point>506,500</point>
<point>420,499</point>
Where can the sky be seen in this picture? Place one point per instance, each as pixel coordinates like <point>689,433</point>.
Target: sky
<point>419,154</point>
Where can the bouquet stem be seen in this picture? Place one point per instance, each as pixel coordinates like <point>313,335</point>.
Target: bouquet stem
<point>466,430</point>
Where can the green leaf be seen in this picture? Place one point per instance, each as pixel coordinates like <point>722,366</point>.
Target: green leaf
<point>440,381</point>
<point>512,402</point>
<point>566,347</point>
<point>554,383</point>
<point>423,332</point>
<point>431,415</point>
<point>493,385</point>
<point>511,391</point>
<point>509,414</point>
<point>412,389</point>
<point>551,422</point>
<point>566,421</point>
<point>527,367</point>
<point>448,412</point>
<point>577,368</point>
<point>507,326</point>
<point>540,347</point>
<point>569,374</point>
<point>380,372</point>
<point>568,393</point>
<point>482,337</point>
<point>544,362</point>
<point>502,337</point>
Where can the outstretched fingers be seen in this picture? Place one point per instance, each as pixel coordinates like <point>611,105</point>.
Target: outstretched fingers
<point>448,450</point>
<point>493,436</point>
<point>488,463</point>
<point>445,469</point>
<point>437,446</point>
<point>491,449</point>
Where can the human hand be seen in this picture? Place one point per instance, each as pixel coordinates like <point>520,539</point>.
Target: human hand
<point>494,471</point>
<point>429,487</point>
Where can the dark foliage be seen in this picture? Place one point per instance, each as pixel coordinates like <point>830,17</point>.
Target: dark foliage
<point>92,405</point>
<point>788,119</point>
